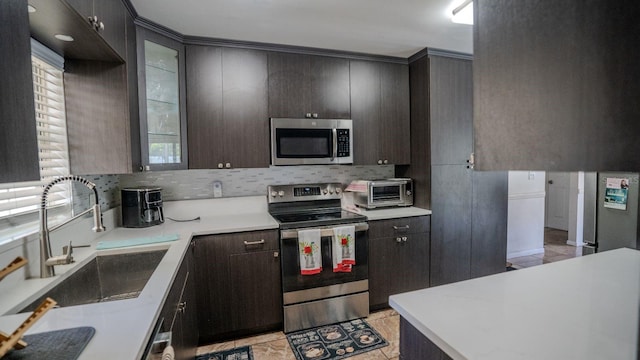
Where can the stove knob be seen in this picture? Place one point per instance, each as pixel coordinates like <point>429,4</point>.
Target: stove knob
<point>273,194</point>
<point>325,191</point>
<point>281,193</point>
<point>338,190</point>
<point>331,191</point>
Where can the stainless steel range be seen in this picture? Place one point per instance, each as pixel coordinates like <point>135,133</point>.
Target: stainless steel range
<point>327,296</point>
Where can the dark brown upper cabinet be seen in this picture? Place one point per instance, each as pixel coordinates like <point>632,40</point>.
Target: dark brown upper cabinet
<point>228,124</point>
<point>380,113</point>
<point>107,18</point>
<point>71,18</point>
<point>18,140</point>
<point>556,85</point>
<point>308,86</point>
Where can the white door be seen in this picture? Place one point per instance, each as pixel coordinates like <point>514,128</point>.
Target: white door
<point>557,204</point>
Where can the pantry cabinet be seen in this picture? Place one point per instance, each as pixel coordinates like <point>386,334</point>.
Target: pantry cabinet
<point>239,284</point>
<point>469,221</point>
<point>398,257</point>
<point>228,125</point>
<point>308,86</point>
<point>380,112</point>
<point>18,140</point>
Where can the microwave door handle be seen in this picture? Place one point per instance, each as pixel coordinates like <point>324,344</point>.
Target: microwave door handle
<point>335,144</point>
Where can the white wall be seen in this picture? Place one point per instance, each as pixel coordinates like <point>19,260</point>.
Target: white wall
<point>525,226</point>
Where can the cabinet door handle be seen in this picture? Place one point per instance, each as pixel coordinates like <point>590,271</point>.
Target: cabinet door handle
<point>228,165</point>
<point>220,166</point>
<point>259,242</point>
<point>404,239</point>
<point>276,254</point>
<point>379,162</point>
<point>386,161</point>
<point>406,227</point>
<point>182,306</point>
<point>398,240</point>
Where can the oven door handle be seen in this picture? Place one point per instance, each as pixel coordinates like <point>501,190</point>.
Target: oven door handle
<point>335,144</point>
<point>324,231</point>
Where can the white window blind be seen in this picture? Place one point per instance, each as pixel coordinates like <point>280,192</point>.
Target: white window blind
<point>19,198</point>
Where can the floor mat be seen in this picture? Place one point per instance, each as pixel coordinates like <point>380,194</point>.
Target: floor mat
<point>337,341</point>
<point>239,353</point>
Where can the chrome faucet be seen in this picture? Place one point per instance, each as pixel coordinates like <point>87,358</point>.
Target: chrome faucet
<point>46,261</point>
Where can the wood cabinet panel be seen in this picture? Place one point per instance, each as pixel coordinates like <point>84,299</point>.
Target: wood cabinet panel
<point>255,294</point>
<point>395,114</point>
<point>204,106</point>
<point>227,108</point>
<point>420,169</point>
<point>489,222</point>
<point>97,112</point>
<point>112,15</point>
<point>380,113</point>
<point>414,345</point>
<point>365,112</point>
<point>451,100</point>
<point>555,85</point>
<point>245,108</point>
<point>18,140</point>
<point>451,199</point>
<point>301,84</point>
<point>239,286</point>
<point>399,252</point>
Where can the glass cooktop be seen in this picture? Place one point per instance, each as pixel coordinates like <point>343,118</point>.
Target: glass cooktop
<point>309,219</point>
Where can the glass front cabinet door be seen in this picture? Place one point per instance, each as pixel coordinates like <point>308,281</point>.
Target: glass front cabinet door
<point>162,102</point>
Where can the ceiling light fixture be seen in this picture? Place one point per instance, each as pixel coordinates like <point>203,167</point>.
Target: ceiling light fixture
<point>463,14</point>
<point>63,37</point>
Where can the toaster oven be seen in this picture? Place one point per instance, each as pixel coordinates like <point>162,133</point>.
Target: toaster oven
<point>372,194</point>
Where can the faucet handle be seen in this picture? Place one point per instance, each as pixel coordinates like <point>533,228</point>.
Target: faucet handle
<point>69,258</point>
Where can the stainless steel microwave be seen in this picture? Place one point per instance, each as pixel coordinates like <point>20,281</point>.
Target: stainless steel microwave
<point>311,141</point>
<point>371,194</point>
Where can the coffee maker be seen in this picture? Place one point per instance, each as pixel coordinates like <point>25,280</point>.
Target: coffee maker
<point>141,207</point>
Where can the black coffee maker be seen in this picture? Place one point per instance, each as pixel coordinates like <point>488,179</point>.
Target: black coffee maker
<point>141,207</point>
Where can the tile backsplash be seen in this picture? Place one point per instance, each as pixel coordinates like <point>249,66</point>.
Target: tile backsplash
<point>198,184</point>
<point>108,192</point>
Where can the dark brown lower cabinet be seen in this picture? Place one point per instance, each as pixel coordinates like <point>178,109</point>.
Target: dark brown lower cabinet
<point>239,284</point>
<point>179,311</point>
<point>415,346</point>
<point>398,258</point>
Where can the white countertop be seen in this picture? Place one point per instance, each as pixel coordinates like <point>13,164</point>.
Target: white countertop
<point>581,308</point>
<point>123,327</point>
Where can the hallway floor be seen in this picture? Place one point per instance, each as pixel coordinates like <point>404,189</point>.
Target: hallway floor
<point>555,249</point>
<point>275,346</point>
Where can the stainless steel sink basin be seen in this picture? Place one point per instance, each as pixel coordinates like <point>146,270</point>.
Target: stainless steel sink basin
<point>105,278</point>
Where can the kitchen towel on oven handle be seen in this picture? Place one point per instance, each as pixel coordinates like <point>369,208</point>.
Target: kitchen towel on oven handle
<point>309,248</point>
<point>344,248</point>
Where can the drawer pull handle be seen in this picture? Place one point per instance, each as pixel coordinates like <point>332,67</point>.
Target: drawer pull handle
<point>259,242</point>
<point>406,227</point>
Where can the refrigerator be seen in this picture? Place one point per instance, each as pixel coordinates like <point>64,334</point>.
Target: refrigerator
<point>616,212</point>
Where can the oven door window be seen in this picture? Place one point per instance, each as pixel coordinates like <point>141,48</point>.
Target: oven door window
<point>385,193</point>
<point>293,280</point>
<point>304,143</point>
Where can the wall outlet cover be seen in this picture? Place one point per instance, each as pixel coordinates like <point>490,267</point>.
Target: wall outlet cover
<point>217,189</point>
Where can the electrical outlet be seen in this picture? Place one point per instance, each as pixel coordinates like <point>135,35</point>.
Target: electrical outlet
<point>532,175</point>
<point>217,189</point>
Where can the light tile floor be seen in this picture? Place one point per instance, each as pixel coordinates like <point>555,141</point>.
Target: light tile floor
<point>555,249</point>
<point>272,346</point>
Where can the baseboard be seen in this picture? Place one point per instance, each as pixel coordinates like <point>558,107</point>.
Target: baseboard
<point>574,243</point>
<point>516,254</point>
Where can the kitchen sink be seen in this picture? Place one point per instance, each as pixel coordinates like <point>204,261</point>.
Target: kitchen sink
<point>105,278</point>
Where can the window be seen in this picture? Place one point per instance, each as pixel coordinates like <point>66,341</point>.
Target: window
<point>20,198</point>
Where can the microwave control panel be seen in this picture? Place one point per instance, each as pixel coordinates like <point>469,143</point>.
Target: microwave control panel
<point>344,147</point>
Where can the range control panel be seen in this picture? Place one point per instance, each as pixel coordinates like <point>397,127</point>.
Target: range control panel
<point>304,192</point>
